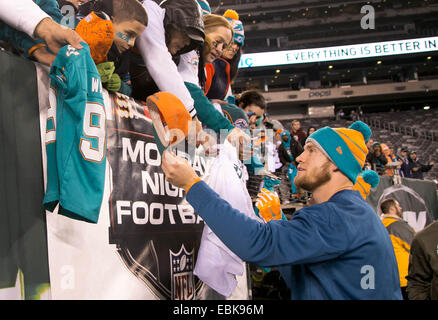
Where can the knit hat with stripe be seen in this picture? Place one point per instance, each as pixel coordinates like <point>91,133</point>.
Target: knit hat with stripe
<point>366,180</point>
<point>233,19</point>
<point>345,147</point>
<point>205,7</point>
<point>96,29</point>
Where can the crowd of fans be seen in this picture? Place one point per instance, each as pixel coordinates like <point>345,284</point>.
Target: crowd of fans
<point>185,50</point>
<point>386,161</point>
<point>381,157</point>
<point>139,50</point>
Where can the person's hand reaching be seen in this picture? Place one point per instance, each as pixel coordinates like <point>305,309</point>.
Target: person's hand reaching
<point>178,171</point>
<point>56,36</point>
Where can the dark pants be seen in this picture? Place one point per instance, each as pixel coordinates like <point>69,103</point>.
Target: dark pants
<point>404,293</point>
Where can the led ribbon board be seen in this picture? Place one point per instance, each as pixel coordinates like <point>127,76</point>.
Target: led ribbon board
<point>357,51</point>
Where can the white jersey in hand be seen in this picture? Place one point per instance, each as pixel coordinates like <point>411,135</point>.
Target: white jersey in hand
<point>217,265</point>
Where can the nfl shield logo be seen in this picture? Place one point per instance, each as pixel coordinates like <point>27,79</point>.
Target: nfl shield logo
<point>182,274</point>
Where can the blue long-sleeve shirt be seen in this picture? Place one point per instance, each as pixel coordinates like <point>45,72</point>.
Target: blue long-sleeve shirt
<point>338,249</point>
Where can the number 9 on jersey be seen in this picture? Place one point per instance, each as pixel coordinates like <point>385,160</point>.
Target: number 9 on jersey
<point>93,143</point>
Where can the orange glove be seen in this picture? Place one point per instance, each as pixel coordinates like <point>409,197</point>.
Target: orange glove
<point>268,206</point>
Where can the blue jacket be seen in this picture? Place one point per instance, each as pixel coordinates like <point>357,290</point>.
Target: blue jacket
<point>338,249</point>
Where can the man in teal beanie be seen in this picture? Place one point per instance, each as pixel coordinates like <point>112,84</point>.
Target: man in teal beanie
<point>335,249</point>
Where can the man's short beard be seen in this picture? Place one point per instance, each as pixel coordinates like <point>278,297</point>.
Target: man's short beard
<point>310,184</point>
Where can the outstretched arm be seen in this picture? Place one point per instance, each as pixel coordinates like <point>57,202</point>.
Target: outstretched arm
<point>26,16</point>
<point>304,239</point>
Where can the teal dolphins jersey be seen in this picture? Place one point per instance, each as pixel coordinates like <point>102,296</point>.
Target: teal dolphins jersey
<point>75,136</point>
